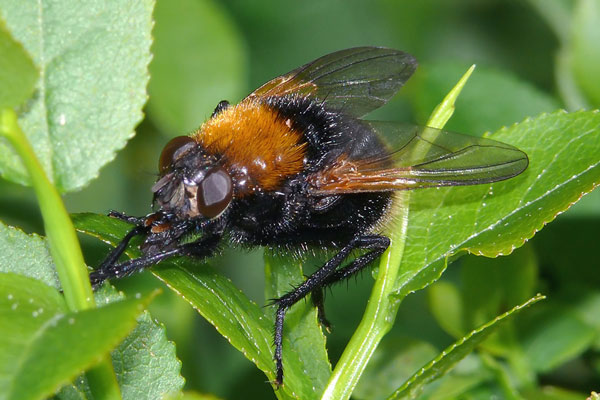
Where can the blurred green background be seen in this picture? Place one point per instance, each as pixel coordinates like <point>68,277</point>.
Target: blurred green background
<point>532,57</point>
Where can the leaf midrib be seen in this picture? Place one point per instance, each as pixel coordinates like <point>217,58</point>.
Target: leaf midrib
<point>42,89</point>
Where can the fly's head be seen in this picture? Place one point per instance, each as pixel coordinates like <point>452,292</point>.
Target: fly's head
<point>192,183</point>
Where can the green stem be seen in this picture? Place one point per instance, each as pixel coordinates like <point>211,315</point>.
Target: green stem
<point>381,310</point>
<point>378,318</point>
<point>64,247</point>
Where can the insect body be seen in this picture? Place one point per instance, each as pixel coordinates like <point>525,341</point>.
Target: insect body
<point>293,165</point>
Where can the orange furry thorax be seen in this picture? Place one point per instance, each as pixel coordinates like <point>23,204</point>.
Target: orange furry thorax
<point>258,146</point>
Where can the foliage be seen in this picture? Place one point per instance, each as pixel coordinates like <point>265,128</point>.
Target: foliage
<point>76,73</point>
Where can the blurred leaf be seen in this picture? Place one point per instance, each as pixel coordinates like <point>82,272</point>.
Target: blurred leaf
<point>557,14</point>
<point>26,255</point>
<point>566,252</point>
<point>38,328</point>
<point>239,320</point>
<point>492,99</point>
<point>17,72</point>
<point>566,83</point>
<point>493,220</point>
<point>93,57</point>
<point>392,364</point>
<point>303,330</point>
<point>552,393</point>
<point>199,60</point>
<point>588,309</point>
<point>554,334</point>
<point>491,286</point>
<point>450,356</point>
<point>446,306</point>
<point>192,396</point>
<point>586,53</point>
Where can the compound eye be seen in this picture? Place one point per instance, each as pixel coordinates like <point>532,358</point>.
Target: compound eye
<point>173,150</point>
<point>214,193</point>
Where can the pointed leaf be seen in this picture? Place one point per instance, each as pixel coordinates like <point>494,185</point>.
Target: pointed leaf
<point>491,99</point>
<point>92,56</point>
<point>492,220</point>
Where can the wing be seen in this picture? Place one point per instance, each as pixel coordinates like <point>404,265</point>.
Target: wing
<point>419,157</point>
<point>354,81</point>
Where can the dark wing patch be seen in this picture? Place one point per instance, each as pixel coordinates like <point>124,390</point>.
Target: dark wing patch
<point>420,157</point>
<point>353,81</point>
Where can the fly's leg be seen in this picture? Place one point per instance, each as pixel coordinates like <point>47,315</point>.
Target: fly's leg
<point>128,267</point>
<point>318,301</point>
<point>114,255</point>
<point>325,276</point>
<point>126,218</point>
<point>203,247</point>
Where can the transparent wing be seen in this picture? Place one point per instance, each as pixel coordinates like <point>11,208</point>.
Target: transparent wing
<point>354,81</point>
<point>419,157</point>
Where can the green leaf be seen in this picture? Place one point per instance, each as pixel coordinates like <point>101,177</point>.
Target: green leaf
<point>555,334</point>
<point>492,285</point>
<point>92,56</point>
<point>492,220</point>
<point>554,393</point>
<point>145,361</point>
<point>557,14</point>
<point>26,255</point>
<point>191,74</point>
<point>491,100</point>
<point>17,72</point>
<point>446,305</point>
<point>567,85</point>
<point>303,331</point>
<point>449,357</point>
<point>38,329</point>
<point>586,54</point>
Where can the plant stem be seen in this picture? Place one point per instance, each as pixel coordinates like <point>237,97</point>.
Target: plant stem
<point>64,247</point>
<point>378,318</point>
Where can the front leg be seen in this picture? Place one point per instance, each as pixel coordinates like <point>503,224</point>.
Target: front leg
<point>201,248</point>
<point>325,276</point>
